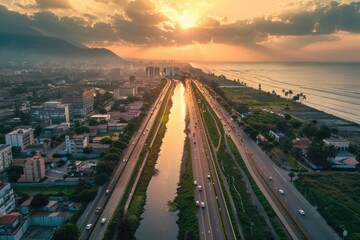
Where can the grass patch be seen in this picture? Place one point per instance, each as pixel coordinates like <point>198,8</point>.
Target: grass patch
<point>185,200</point>
<point>253,97</point>
<point>336,197</point>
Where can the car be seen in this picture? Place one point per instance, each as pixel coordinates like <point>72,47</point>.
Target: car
<point>197,203</point>
<point>103,220</point>
<point>107,191</point>
<point>98,209</point>
<point>195,182</point>
<point>202,204</point>
<point>270,178</point>
<point>200,188</point>
<point>281,191</point>
<point>133,143</point>
<point>302,212</point>
<point>88,227</point>
<point>208,176</point>
<point>124,160</point>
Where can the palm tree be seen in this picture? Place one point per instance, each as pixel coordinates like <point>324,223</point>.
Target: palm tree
<point>290,92</point>
<point>259,87</point>
<point>283,91</point>
<point>303,98</point>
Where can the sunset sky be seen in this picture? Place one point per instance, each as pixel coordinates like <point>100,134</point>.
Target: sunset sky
<point>205,30</point>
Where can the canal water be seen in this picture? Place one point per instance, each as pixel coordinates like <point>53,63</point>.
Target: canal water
<point>158,222</point>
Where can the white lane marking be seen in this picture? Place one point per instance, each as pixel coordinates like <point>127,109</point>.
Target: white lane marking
<point>280,174</point>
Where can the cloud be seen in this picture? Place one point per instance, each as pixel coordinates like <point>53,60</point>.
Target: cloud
<point>139,23</point>
<point>53,4</point>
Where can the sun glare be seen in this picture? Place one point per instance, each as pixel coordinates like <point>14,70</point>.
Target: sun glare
<point>186,21</point>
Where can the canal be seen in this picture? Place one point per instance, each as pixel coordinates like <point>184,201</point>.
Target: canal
<point>158,222</point>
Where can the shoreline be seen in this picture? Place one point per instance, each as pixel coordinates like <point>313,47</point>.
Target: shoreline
<point>346,128</point>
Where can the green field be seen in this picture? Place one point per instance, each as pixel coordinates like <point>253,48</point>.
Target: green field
<point>336,197</point>
<point>253,97</point>
<point>68,190</point>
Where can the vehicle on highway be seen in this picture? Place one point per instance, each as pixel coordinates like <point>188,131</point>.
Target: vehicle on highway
<point>124,160</point>
<point>107,191</point>
<point>133,143</point>
<point>202,204</point>
<point>197,203</point>
<point>281,191</point>
<point>88,226</point>
<point>195,182</point>
<point>208,176</point>
<point>200,188</point>
<point>270,178</point>
<point>98,209</point>
<point>302,212</point>
<point>103,220</point>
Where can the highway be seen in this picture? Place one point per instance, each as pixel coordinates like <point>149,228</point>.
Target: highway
<point>120,180</point>
<point>286,204</point>
<point>210,216</point>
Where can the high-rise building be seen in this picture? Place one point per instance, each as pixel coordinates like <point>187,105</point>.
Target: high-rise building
<point>54,111</point>
<point>6,158</point>
<point>21,137</point>
<point>80,98</point>
<point>123,92</point>
<point>149,72</point>
<point>156,72</point>
<point>7,198</point>
<point>34,169</point>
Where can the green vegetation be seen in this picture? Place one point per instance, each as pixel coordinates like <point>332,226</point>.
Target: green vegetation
<point>252,222</point>
<point>336,197</point>
<point>68,231</point>
<point>14,172</point>
<point>39,200</point>
<point>185,200</point>
<point>65,190</point>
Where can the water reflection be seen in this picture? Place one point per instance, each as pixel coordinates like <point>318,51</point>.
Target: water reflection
<point>158,222</point>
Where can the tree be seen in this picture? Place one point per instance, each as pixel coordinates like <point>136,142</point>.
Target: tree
<point>14,172</point>
<point>37,131</point>
<point>82,129</point>
<point>318,153</point>
<point>87,150</point>
<point>68,231</point>
<point>132,78</point>
<point>291,175</point>
<point>106,140</point>
<point>119,144</point>
<point>39,200</point>
<point>113,157</point>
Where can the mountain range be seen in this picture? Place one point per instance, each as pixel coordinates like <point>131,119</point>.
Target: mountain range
<point>33,48</point>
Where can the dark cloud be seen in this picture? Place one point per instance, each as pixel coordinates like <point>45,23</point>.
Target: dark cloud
<point>53,4</point>
<point>139,23</point>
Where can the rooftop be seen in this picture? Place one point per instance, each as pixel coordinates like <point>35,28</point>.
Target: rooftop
<point>9,218</point>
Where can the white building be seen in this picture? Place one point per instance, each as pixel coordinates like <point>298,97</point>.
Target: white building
<point>34,169</point>
<point>76,143</point>
<point>123,92</point>
<point>6,158</point>
<point>101,117</point>
<point>21,137</point>
<point>7,199</point>
<point>338,142</point>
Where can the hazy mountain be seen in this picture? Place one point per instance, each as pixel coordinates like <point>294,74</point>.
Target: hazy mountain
<point>20,47</point>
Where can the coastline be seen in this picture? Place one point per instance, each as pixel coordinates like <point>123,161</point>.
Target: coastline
<point>346,128</point>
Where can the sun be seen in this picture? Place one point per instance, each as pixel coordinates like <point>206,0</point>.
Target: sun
<point>186,21</point>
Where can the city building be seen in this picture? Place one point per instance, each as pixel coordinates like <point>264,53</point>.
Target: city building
<point>34,169</point>
<point>9,223</point>
<point>156,72</point>
<point>101,117</point>
<point>301,143</point>
<point>54,111</point>
<point>124,91</point>
<point>6,158</point>
<point>149,72</point>
<point>21,137</point>
<point>76,143</point>
<point>338,142</point>
<point>80,98</point>
<point>276,135</point>
<point>7,198</point>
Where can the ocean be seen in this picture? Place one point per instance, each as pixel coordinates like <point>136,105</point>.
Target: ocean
<point>330,87</point>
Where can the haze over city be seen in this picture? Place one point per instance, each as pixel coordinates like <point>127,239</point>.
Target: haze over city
<point>226,30</point>
<point>188,120</point>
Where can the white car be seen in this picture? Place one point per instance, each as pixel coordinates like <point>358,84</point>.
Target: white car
<point>195,182</point>
<point>208,176</point>
<point>133,143</point>
<point>98,209</point>
<point>202,204</point>
<point>124,160</point>
<point>302,212</point>
<point>88,226</point>
<point>199,187</point>
<point>103,220</point>
<point>197,203</point>
<point>281,191</point>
